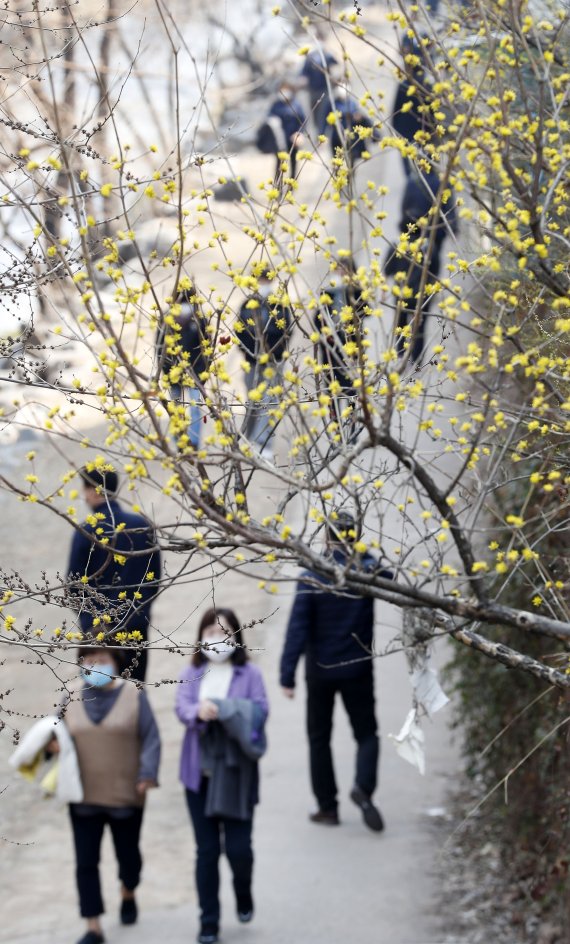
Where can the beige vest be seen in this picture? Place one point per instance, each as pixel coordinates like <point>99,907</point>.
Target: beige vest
<point>108,752</point>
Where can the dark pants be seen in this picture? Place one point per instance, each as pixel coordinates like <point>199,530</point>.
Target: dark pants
<point>320,108</point>
<point>405,318</point>
<point>87,835</point>
<point>210,833</point>
<point>358,698</point>
<point>292,167</point>
<point>407,315</point>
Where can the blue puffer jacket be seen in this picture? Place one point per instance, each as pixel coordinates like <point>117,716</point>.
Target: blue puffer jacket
<point>333,632</point>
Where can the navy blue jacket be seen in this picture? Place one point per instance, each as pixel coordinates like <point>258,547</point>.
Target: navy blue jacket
<point>351,115</point>
<point>291,115</point>
<point>419,197</point>
<point>270,332</point>
<point>333,632</point>
<point>408,123</point>
<point>108,576</point>
<point>315,69</point>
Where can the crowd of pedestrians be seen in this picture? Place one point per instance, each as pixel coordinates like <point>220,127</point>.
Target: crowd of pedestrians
<point>425,219</point>
<point>107,739</point>
<point>105,733</point>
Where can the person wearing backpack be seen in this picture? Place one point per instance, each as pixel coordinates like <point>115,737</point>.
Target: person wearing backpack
<point>266,327</point>
<point>182,357</point>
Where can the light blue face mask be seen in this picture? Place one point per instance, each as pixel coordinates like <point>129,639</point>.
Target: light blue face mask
<point>99,675</point>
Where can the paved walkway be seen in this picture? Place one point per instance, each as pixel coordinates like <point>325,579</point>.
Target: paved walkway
<point>313,884</point>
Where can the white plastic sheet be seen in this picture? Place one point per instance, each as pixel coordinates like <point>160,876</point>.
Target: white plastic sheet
<point>410,742</point>
<point>429,693</point>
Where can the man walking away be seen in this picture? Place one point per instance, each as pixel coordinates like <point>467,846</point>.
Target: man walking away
<point>335,634</point>
<point>109,589</point>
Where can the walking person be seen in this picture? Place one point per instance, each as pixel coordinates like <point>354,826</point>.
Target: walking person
<point>431,228</point>
<point>411,113</point>
<point>353,130</point>
<point>266,330</point>
<point>316,73</point>
<point>288,111</point>
<point>114,567</point>
<point>117,743</point>
<point>222,703</point>
<point>335,634</point>
<point>338,320</point>
<point>181,350</point>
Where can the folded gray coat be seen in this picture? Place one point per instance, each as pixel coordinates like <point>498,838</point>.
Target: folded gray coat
<point>230,748</point>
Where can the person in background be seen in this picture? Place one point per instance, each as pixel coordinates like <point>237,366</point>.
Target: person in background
<point>422,223</point>
<point>411,114</point>
<point>289,111</point>
<point>316,73</point>
<point>219,682</point>
<point>338,320</point>
<point>353,131</point>
<point>112,584</point>
<point>335,633</point>
<point>181,350</point>
<point>266,330</point>
<point>118,749</point>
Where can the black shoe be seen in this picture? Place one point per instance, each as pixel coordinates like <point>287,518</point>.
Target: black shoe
<point>92,937</point>
<point>325,817</point>
<point>370,813</point>
<point>245,909</point>
<point>129,912</point>
<point>208,934</point>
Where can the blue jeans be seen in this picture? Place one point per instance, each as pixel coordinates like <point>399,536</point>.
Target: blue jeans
<point>190,396</point>
<point>209,832</point>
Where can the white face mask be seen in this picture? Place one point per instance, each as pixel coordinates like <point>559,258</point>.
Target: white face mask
<point>218,650</point>
<point>265,289</point>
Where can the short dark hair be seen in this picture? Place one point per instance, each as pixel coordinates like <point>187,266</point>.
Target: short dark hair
<point>117,655</point>
<point>239,656</point>
<point>103,480</point>
<point>337,529</point>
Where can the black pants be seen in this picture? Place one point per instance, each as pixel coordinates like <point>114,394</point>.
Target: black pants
<point>236,837</point>
<point>405,318</point>
<point>358,698</point>
<point>292,165</point>
<point>406,315</point>
<point>87,835</point>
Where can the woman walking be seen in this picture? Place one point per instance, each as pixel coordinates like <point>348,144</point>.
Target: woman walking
<point>222,702</point>
<point>118,749</point>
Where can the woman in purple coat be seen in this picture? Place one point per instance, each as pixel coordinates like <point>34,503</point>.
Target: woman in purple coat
<point>219,672</point>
